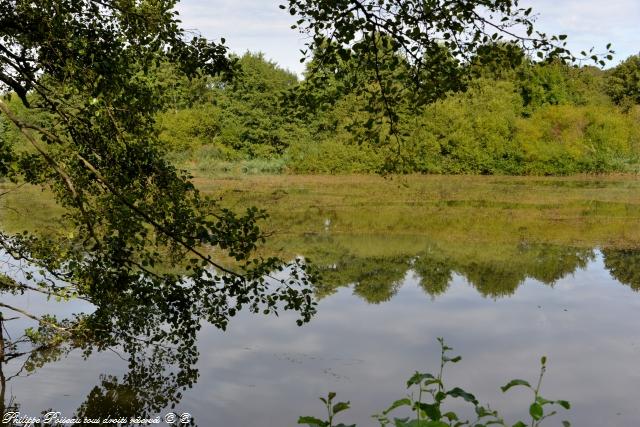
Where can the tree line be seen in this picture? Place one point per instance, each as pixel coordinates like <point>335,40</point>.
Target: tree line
<point>531,118</point>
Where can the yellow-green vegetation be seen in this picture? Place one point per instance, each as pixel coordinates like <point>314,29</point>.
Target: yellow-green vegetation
<point>463,211</point>
<point>531,119</point>
<point>369,230</point>
<point>29,208</point>
<point>578,210</point>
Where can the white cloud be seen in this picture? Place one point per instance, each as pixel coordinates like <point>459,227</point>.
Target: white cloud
<point>254,25</point>
<point>592,23</point>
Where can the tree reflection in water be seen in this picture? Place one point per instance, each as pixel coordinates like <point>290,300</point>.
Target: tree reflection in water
<point>157,373</point>
<point>161,350</point>
<point>377,279</point>
<point>624,266</point>
<point>151,325</point>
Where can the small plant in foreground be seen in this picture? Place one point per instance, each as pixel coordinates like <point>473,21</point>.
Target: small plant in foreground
<point>430,413</point>
<point>332,410</point>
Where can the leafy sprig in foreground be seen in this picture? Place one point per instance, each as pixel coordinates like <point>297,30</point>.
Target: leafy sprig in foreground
<point>429,394</point>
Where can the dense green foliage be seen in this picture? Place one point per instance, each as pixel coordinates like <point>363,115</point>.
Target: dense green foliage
<point>81,85</point>
<point>532,119</point>
<point>241,118</point>
<point>624,84</point>
<point>88,132</point>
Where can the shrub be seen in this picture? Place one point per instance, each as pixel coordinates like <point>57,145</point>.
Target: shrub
<point>469,132</point>
<point>333,157</point>
<point>563,139</point>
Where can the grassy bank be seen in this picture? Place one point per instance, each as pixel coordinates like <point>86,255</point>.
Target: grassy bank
<point>578,210</point>
<point>370,231</point>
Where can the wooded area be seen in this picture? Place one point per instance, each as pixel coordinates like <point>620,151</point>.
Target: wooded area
<point>530,119</point>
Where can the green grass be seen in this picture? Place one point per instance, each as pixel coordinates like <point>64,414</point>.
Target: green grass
<point>210,161</point>
<point>460,210</point>
<point>369,230</point>
<point>581,211</point>
<point>491,229</point>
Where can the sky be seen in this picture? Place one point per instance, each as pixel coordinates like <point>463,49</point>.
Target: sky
<point>260,25</point>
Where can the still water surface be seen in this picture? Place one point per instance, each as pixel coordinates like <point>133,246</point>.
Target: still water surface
<point>265,371</point>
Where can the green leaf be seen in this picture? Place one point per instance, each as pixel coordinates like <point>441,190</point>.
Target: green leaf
<point>519,424</point>
<point>564,404</point>
<point>482,412</point>
<point>458,392</point>
<point>536,411</point>
<point>566,424</point>
<point>397,404</point>
<point>432,410</point>
<point>418,423</point>
<point>451,416</point>
<point>340,406</point>
<point>418,377</point>
<point>514,383</point>
<point>542,401</point>
<point>423,423</point>
<point>312,422</point>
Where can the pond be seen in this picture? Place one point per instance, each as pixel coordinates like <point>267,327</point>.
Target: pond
<point>505,269</point>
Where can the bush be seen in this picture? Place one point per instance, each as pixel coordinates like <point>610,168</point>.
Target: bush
<point>190,127</point>
<point>333,157</point>
<point>540,119</point>
<point>469,132</point>
<point>426,403</point>
<point>563,139</point>
<point>623,84</point>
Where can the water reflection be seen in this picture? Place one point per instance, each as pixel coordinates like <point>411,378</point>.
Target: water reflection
<point>157,374</point>
<point>156,344</point>
<point>584,323</point>
<point>624,265</point>
<point>282,368</point>
<point>377,279</point>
